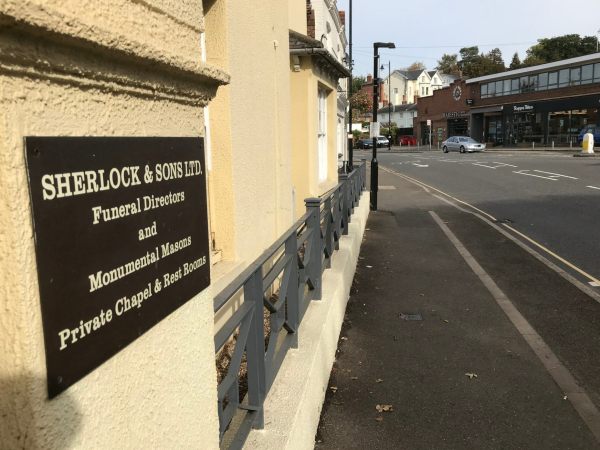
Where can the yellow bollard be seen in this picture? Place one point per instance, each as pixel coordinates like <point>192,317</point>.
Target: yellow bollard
<point>588,143</point>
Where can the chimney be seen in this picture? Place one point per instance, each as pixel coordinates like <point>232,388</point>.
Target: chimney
<point>343,17</point>
<point>310,20</point>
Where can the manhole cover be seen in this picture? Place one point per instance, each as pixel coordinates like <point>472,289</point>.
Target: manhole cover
<point>411,316</point>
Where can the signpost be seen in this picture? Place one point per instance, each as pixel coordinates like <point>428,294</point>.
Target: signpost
<point>121,235</point>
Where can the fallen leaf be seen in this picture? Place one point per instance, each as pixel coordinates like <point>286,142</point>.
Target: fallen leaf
<point>378,380</point>
<point>354,378</point>
<point>384,408</point>
<point>333,389</point>
<point>471,375</point>
<point>379,419</point>
<point>446,321</point>
<point>344,338</point>
<point>565,397</point>
<point>369,267</point>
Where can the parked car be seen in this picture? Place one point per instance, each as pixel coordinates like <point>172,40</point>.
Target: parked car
<point>382,141</point>
<point>408,140</point>
<point>595,129</point>
<point>462,144</point>
<point>364,143</point>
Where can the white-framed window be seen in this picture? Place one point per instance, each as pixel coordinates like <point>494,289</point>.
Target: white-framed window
<point>322,135</point>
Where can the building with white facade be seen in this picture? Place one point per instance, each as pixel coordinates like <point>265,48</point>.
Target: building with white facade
<point>407,85</point>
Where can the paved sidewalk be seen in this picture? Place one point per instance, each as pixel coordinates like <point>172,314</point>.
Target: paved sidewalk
<point>463,377</point>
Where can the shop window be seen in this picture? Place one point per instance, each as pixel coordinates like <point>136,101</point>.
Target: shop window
<point>563,77</point>
<point>484,90</point>
<point>533,83</point>
<point>597,72</point>
<point>542,81</point>
<point>524,84</point>
<point>499,87</point>
<point>575,76</point>
<point>514,86</point>
<point>587,74</point>
<point>552,80</point>
<point>506,87</point>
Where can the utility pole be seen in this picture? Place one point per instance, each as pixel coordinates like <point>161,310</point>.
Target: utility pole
<point>374,164</point>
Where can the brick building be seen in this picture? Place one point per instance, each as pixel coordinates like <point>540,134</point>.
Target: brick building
<point>544,105</point>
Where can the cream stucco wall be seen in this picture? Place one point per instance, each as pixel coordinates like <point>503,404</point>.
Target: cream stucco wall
<point>250,125</point>
<point>305,85</point>
<point>113,68</point>
<point>297,15</point>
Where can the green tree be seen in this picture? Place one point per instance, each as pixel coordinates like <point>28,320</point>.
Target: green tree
<point>561,47</point>
<point>470,61</point>
<point>516,62</point>
<point>448,64</point>
<point>357,83</point>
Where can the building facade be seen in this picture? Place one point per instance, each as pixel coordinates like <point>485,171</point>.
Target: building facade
<point>220,73</point>
<point>546,105</point>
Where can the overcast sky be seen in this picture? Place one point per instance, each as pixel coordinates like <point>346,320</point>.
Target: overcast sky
<point>423,31</point>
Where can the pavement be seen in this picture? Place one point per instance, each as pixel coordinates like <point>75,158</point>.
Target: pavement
<point>455,337</point>
<point>425,149</point>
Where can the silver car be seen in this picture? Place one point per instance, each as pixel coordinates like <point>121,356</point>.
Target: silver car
<point>462,144</point>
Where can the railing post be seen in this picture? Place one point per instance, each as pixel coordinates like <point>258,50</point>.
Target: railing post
<point>292,297</point>
<point>329,224</point>
<point>346,202</point>
<point>313,223</point>
<point>255,349</point>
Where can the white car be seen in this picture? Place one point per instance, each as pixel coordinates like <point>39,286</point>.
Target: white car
<point>382,141</point>
<point>462,144</point>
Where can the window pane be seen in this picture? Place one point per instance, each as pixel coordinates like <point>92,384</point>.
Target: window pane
<point>492,89</point>
<point>552,80</point>
<point>524,84</point>
<point>597,72</point>
<point>514,85</point>
<point>533,83</point>
<point>563,77</point>
<point>506,87</point>
<point>587,74</point>
<point>542,81</point>
<point>484,90</point>
<point>498,87</point>
<point>575,76</point>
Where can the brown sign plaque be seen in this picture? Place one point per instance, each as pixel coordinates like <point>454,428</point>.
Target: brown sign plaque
<point>121,235</point>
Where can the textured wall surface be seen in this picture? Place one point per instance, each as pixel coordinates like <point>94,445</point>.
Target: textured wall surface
<point>86,68</point>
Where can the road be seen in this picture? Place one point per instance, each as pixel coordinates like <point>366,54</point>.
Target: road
<point>548,200</point>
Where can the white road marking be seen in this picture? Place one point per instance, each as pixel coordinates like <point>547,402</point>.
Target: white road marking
<point>594,187</point>
<point>555,174</point>
<point>523,172</point>
<point>593,283</point>
<point>564,379</point>
<point>504,164</point>
<point>484,165</point>
<point>387,188</point>
<point>420,165</point>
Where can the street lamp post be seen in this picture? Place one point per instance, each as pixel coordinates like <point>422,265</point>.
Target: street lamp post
<point>374,164</point>
<point>350,163</point>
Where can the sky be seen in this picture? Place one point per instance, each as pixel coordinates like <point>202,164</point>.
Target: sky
<point>424,31</point>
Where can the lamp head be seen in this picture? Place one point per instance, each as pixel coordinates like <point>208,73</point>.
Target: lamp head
<point>383,45</point>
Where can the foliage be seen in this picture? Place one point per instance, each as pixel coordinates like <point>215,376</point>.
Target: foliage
<point>474,64</point>
<point>356,134</point>
<point>561,47</point>
<point>361,102</point>
<point>516,62</point>
<point>357,83</point>
<point>448,64</point>
<point>417,65</point>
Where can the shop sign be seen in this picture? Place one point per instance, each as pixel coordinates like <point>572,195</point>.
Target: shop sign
<point>121,236</point>
<point>522,108</point>
<point>455,114</point>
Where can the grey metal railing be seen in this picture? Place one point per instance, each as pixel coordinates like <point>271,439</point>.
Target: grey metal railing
<point>272,296</point>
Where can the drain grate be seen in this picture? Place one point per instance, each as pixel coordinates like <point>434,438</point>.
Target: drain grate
<point>411,316</point>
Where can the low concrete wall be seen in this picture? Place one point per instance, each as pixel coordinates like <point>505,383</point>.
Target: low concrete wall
<point>293,406</point>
